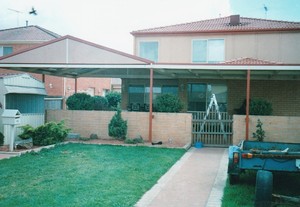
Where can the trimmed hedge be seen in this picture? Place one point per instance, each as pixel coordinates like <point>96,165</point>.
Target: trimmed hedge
<point>168,103</point>
<point>83,101</point>
<point>80,101</point>
<point>256,107</point>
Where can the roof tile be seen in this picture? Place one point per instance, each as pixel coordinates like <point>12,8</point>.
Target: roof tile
<point>28,33</point>
<point>250,61</point>
<point>223,25</point>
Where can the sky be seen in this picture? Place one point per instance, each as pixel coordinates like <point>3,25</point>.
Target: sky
<point>109,22</point>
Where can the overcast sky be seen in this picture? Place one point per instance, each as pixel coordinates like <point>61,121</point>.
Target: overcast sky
<point>109,22</point>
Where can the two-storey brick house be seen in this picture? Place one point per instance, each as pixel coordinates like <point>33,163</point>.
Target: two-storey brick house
<point>216,43</point>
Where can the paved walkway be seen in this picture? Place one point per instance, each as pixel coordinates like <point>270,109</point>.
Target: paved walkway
<point>197,179</point>
<point>8,155</point>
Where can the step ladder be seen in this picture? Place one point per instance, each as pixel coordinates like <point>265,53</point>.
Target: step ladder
<point>213,102</point>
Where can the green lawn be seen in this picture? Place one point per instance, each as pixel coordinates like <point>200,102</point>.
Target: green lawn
<point>243,193</point>
<point>83,175</point>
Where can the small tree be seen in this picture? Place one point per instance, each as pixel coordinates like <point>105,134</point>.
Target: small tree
<point>168,103</point>
<point>260,133</point>
<point>114,99</point>
<point>117,127</point>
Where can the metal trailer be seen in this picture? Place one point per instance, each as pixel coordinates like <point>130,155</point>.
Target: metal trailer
<point>265,157</point>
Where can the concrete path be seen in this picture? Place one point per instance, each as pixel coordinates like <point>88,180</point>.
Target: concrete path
<point>197,179</point>
<point>5,155</point>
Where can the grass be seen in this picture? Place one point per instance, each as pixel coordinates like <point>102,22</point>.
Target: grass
<point>83,175</point>
<point>243,193</point>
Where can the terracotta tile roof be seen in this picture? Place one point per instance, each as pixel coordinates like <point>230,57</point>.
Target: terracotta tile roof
<point>29,33</point>
<point>223,25</point>
<point>250,61</point>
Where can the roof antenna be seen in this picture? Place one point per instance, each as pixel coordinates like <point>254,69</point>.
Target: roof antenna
<point>17,12</point>
<point>266,11</point>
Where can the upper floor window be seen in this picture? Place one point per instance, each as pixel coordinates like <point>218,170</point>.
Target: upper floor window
<point>149,50</point>
<point>208,51</point>
<point>5,50</point>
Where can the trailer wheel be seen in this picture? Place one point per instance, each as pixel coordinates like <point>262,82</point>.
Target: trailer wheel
<point>263,189</point>
<point>233,179</point>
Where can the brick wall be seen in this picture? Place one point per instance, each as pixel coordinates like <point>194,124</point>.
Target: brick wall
<point>277,128</point>
<point>167,127</point>
<point>284,95</point>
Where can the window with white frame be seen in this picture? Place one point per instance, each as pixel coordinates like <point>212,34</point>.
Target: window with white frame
<point>208,51</point>
<point>149,50</point>
<point>4,50</point>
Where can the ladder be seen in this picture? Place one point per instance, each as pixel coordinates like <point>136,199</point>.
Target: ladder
<point>213,102</point>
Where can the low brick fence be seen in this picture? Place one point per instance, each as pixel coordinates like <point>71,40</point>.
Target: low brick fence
<point>173,128</point>
<point>277,128</point>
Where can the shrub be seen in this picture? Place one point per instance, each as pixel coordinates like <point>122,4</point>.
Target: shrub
<point>256,107</point>
<point>94,136</point>
<point>1,139</point>
<point>50,133</point>
<point>168,103</point>
<point>28,132</point>
<point>260,107</point>
<point>134,140</point>
<point>113,99</point>
<point>100,103</point>
<point>117,127</point>
<point>80,101</point>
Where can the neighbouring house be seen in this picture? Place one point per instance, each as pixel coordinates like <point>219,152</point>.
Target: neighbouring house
<point>25,94</point>
<point>58,88</point>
